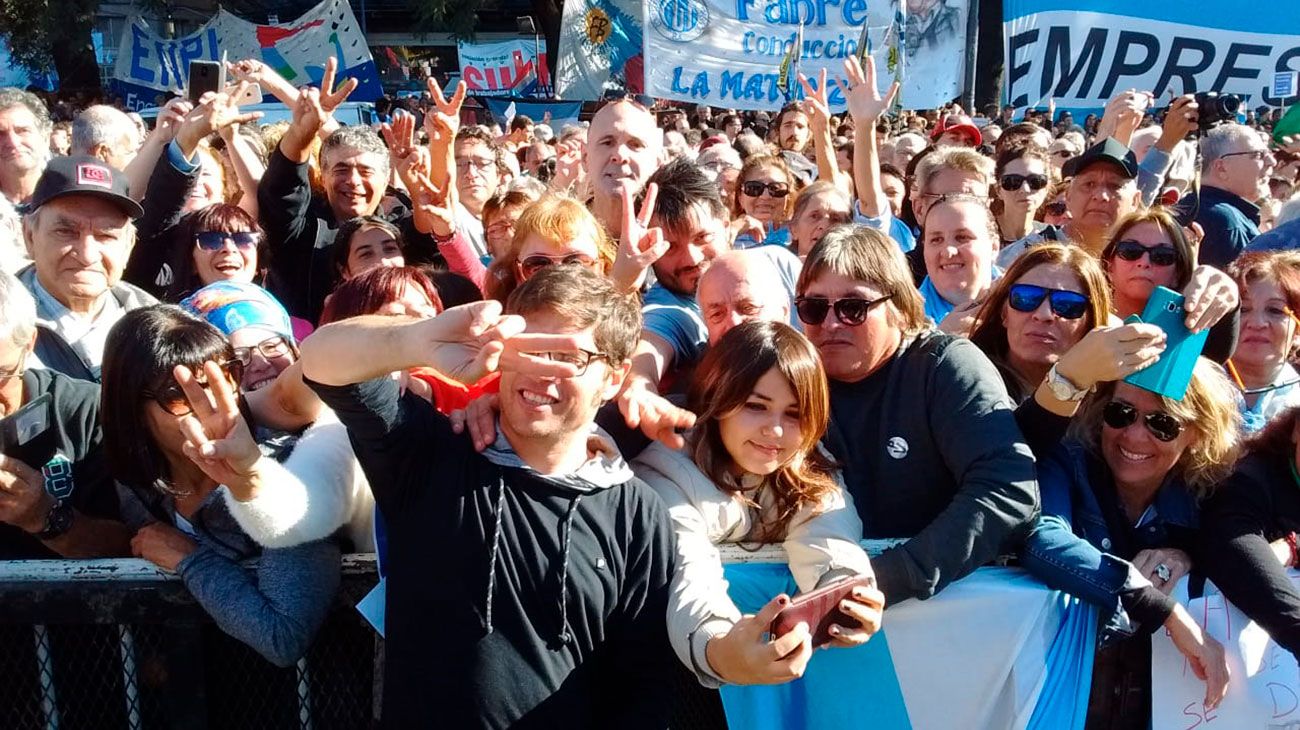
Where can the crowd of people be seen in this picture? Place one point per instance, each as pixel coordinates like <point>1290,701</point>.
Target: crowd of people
<point>557,370</point>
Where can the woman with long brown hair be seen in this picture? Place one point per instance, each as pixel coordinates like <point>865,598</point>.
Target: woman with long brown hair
<point>752,473</point>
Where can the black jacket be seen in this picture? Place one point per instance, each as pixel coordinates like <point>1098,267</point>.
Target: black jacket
<point>1257,504</point>
<point>513,599</point>
<point>931,452</point>
<point>152,264</point>
<point>301,234</point>
<point>79,440</point>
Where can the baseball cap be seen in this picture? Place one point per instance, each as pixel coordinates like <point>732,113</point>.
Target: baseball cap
<point>958,123</point>
<point>1108,150</point>
<point>83,175</point>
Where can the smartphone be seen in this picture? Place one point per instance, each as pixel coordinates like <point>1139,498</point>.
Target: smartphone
<point>253,94</point>
<point>819,609</point>
<point>205,76</point>
<point>1172,372</point>
<point>28,433</point>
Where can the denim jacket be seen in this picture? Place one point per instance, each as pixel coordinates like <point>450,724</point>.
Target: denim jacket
<point>1068,548</point>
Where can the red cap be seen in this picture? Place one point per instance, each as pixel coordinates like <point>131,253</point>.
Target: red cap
<point>958,123</point>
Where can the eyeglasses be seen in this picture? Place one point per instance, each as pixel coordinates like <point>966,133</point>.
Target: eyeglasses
<point>535,263</point>
<point>1015,182</point>
<point>478,163</point>
<point>1065,154</point>
<point>270,347</point>
<point>754,188</point>
<point>850,311</point>
<point>171,397</point>
<point>1259,155</point>
<point>1120,415</point>
<point>216,240</point>
<point>1056,207</point>
<point>579,359</point>
<point>1160,255</point>
<point>1064,304</point>
<point>16,371</point>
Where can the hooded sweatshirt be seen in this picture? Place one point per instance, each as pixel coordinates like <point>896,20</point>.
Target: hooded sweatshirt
<point>514,598</point>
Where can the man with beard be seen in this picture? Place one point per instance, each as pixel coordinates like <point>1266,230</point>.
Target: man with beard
<point>793,135</point>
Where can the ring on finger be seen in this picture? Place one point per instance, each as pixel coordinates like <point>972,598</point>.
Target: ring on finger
<point>1163,573</point>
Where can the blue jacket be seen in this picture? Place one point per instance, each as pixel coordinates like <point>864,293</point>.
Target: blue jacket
<point>1284,237</point>
<point>1069,547</point>
<point>1230,224</point>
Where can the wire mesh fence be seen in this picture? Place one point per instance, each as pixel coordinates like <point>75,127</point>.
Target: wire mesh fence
<point>139,654</point>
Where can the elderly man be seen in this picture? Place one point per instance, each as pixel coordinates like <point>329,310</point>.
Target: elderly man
<point>624,146</point>
<point>24,143</point>
<point>740,286</point>
<point>107,133</point>
<point>79,229</point>
<point>1235,168</point>
<point>60,500</point>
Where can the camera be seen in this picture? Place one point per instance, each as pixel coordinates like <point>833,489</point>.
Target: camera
<point>1214,109</point>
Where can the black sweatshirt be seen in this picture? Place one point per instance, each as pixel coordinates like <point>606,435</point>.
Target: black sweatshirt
<point>931,452</point>
<point>590,562</point>
<point>301,234</point>
<point>1257,504</point>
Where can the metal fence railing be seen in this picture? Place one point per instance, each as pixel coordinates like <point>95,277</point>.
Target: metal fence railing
<point>121,645</point>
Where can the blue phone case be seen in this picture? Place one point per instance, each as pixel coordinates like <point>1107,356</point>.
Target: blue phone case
<point>1170,375</point>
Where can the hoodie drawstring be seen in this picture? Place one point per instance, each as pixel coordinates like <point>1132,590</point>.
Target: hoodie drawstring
<point>565,635</point>
<point>496,548</point>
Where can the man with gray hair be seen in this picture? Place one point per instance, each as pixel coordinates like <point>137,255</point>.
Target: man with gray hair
<point>107,133</point>
<point>24,143</point>
<point>56,493</point>
<point>79,229</point>
<point>355,173</point>
<point>1235,168</point>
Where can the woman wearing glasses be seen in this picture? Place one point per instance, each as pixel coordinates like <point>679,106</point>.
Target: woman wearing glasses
<point>220,242</point>
<point>920,420</point>
<point>1120,522</point>
<point>1270,297</point>
<point>752,473</point>
<point>1022,175</point>
<point>555,230</point>
<point>1044,325</point>
<point>168,378</point>
<point>763,200</point>
<point>1149,249</point>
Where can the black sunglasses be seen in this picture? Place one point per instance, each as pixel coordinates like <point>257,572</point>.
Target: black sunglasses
<point>171,396</point>
<point>1160,255</point>
<point>754,188</point>
<point>1065,304</point>
<point>850,311</point>
<point>215,240</point>
<point>1015,182</point>
<point>1056,207</point>
<point>1120,415</point>
<point>535,263</point>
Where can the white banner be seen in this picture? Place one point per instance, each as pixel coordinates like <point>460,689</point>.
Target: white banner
<point>1265,688</point>
<point>1082,57</point>
<point>728,53</point>
<point>150,66</point>
<point>506,66</point>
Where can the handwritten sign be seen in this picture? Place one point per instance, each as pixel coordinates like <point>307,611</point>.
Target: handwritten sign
<point>1265,687</point>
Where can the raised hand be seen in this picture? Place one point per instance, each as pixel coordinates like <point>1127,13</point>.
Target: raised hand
<point>433,209</point>
<point>568,165</point>
<point>214,111</point>
<point>331,98</point>
<point>170,118</point>
<point>817,101</point>
<point>443,121</point>
<point>639,245</point>
<point>472,340</point>
<point>217,438</point>
<point>863,97</point>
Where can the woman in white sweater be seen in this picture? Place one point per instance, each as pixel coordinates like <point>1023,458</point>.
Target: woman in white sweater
<point>752,473</point>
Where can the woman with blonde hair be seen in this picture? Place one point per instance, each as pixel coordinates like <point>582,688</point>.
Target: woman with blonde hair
<point>557,229</point>
<point>753,473</point>
<point>764,199</point>
<point>1120,522</point>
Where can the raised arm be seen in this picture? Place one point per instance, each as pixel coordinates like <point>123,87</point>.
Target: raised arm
<point>866,105</point>
<point>142,165</point>
<point>818,106</point>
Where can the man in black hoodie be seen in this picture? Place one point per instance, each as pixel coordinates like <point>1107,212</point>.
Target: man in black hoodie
<point>527,585</point>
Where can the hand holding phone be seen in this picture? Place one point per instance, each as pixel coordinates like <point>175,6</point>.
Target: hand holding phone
<point>205,76</point>
<point>820,610</point>
<point>28,434</point>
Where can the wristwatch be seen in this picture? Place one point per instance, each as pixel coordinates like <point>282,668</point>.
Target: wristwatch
<point>57,521</point>
<point>1063,389</point>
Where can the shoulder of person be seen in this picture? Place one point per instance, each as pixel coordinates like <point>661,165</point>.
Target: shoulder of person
<point>70,395</point>
<point>132,296</point>
<point>664,468</point>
